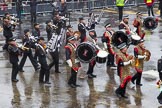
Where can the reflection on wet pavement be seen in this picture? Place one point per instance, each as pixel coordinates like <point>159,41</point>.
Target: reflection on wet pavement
<point>94,93</point>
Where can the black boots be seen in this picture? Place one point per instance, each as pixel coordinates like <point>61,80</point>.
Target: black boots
<point>120,92</point>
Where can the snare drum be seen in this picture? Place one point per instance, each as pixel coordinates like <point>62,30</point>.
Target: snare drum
<point>135,39</point>
<point>85,52</point>
<point>101,56</point>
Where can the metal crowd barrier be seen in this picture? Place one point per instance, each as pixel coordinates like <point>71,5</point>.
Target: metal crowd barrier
<point>73,6</point>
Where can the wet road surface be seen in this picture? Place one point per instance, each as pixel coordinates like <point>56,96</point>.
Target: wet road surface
<point>94,93</point>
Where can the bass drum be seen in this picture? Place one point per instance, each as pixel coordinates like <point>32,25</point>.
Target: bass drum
<point>85,52</point>
<point>150,23</point>
<point>120,37</point>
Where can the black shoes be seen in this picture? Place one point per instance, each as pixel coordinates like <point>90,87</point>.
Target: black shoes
<point>21,70</point>
<point>91,76</point>
<point>41,82</point>
<point>15,80</point>
<point>139,84</point>
<point>72,85</point>
<point>76,85</point>
<point>121,95</point>
<point>57,72</point>
<point>47,82</point>
<point>132,81</point>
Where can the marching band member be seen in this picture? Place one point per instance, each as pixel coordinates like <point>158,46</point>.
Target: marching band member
<point>139,53</point>
<point>59,22</point>
<point>124,25</point>
<point>7,29</point>
<point>91,21</point>
<point>123,61</point>
<point>44,71</point>
<point>14,52</point>
<point>36,34</point>
<point>36,31</point>
<point>138,24</point>
<point>29,42</point>
<point>69,32</point>
<point>71,60</point>
<point>106,40</point>
<point>49,29</point>
<point>92,63</point>
<point>159,85</point>
<point>82,29</point>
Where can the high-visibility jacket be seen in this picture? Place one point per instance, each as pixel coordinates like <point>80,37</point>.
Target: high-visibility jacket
<point>119,2</point>
<point>149,2</point>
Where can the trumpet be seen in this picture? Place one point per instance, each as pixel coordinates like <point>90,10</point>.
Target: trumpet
<point>22,47</point>
<point>54,26</point>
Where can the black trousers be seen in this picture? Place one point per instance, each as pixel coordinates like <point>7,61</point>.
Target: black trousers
<point>137,77</point>
<point>73,77</point>
<point>91,67</point>
<point>15,68</point>
<point>6,43</point>
<point>55,57</point>
<point>120,9</point>
<point>19,14</point>
<point>44,72</point>
<point>161,12</point>
<point>82,38</point>
<point>33,17</point>
<point>110,60</point>
<point>150,10</point>
<point>160,97</point>
<point>33,61</point>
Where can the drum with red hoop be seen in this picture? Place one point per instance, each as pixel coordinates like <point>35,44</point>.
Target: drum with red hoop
<point>85,52</point>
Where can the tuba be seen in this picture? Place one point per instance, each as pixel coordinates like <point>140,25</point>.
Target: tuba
<point>150,23</point>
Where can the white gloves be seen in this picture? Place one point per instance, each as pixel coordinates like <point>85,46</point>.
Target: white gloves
<point>19,45</point>
<point>134,29</point>
<point>141,56</point>
<point>105,45</point>
<point>127,63</point>
<point>69,62</point>
<point>77,61</point>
